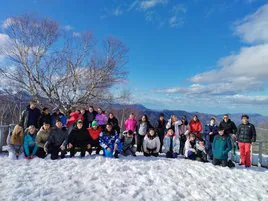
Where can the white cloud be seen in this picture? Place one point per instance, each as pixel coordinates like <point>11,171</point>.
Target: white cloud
<point>177,13</point>
<point>148,4</point>
<point>68,28</point>
<point>118,11</point>
<point>254,28</point>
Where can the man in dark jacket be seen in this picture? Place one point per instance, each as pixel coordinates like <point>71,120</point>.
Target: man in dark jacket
<point>90,116</point>
<point>79,138</point>
<point>246,134</point>
<point>30,116</point>
<point>57,141</point>
<point>161,127</point>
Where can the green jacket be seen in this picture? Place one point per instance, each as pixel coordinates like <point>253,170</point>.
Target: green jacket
<point>221,146</point>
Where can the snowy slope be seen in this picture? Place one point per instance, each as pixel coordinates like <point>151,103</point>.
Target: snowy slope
<point>126,179</point>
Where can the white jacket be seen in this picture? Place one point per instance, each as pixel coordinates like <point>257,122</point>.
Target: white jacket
<point>187,148</point>
<point>151,144</point>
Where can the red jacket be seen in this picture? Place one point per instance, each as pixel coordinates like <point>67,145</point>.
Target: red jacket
<point>94,134</point>
<point>196,127</point>
<point>74,117</point>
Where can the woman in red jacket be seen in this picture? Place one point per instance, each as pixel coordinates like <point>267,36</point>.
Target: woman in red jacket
<point>196,127</point>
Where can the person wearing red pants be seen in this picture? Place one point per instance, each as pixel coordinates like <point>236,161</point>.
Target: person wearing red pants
<point>246,134</point>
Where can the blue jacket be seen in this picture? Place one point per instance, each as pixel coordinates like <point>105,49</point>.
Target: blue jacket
<point>175,144</point>
<point>29,141</point>
<point>221,147</point>
<point>213,129</point>
<point>109,140</point>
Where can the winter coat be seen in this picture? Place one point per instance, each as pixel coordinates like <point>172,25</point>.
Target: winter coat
<point>196,127</point>
<point>89,118</point>
<point>94,134</point>
<point>221,146</point>
<point>246,133</point>
<point>131,124</point>
<point>108,140</point>
<point>209,128</point>
<point>58,137</point>
<point>144,127</point>
<point>189,147</point>
<point>114,123</point>
<point>45,118</point>
<point>30,117</point>
<point>29,141</point>
<point>229,127</point>
<point>79,137</point>
<point>42,137</point>
<point>74,117</point>
<point>60,116</point>
<point>128,142</point>
<point>175,147</point>
<point>16,148</point>
<point>161,127</point>
<point>151,143</point>
<point>101,119</point>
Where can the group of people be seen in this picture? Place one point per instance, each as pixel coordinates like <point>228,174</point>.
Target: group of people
<point>41,133</point>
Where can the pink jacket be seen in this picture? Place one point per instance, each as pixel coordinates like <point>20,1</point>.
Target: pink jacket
<point>131,124</point>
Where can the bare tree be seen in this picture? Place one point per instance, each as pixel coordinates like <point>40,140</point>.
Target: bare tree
<point>65,68</point>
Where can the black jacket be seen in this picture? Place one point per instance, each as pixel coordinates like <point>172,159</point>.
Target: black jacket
<point>229,127</point>
<point>30,117</point>
<point>115,124</point>
<point>246,133</point>
<point>79,137</point>
<point>58,137</point>
<point>161,127</point>
<point>89,118</point>
<point>45,118</point>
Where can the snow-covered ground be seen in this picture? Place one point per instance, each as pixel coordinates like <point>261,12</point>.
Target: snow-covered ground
<point>126,179</point>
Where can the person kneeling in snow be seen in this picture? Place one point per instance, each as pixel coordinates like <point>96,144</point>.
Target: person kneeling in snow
<point>15,143</point>
<point>57,141</point>
<point>129,143</point>
<point>79,139</point>
<point>41,139</point>
<point>222,144</point>
<point>171,144</point>
<point>190,147</point>
<point>201,153</point>
<point>110,142</point>
<point>94,134</point>
<point>151,144</point>
<point>29,144</point>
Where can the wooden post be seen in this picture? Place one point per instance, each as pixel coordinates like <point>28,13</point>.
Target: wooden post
<point>260,154</point>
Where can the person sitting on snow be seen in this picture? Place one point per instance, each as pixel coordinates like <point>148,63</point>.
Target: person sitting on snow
<point>151,144</point>
<point>171,144</point>
<point>29,144</point>
<point>94,134</point>
<point>129,144</point>
<point>41,139</point>
<point>57,141</point>
<point>201,153</point>
<point>15,143</point>
<point>190,147</point>
<point>110,142</point>
<point>222,144</point>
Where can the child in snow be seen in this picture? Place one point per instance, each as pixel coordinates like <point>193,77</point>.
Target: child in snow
<point>29,144</point>
<point>190,147</point>
<point>94,134</point>
<point>201,153</point>
<point>222,144</point>
<point>171,144</point>
<point>41,139</point>
<point>131,123</point>
<point>151,144</point>
<point>57,141</point>
<point>110,142</point>
<point>15,143</point>
<point>129,143</point>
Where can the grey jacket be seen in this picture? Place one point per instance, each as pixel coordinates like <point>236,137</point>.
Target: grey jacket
<point>57,137</point>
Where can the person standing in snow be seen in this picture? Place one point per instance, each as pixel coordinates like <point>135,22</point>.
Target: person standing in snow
<point>171,123</point>
<point>161,127</point>
<point>151,144</point>
<point>29,144</point>
<point>110,142</point>
<point>30,116</point>
<point>190,147</point>
<point>211,130</point>
<point>246,135</point>
<point>57,114</point>
<point>79,138</point>
<point>101,118</point>
<point>45,116</point>
<point>94,133</point>
<point>114,121</point>
<point>129,143</point>
<point>89,116</point>
<point>196,127</point>
<point>41,139</point>
<point>222,144</point>
<point>143,128</point>
<point>15,143</point>
<point>131,123</point>
<point>171,144</point>
<point>183,131</point>
<point>57,141</point>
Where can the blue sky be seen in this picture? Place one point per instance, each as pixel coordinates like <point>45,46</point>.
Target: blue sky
<point>195,55</point>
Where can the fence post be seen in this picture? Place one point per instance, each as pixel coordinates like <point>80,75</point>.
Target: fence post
<point>260,154</point>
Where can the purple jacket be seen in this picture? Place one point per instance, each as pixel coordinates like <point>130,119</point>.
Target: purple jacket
<point>101,119</point>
